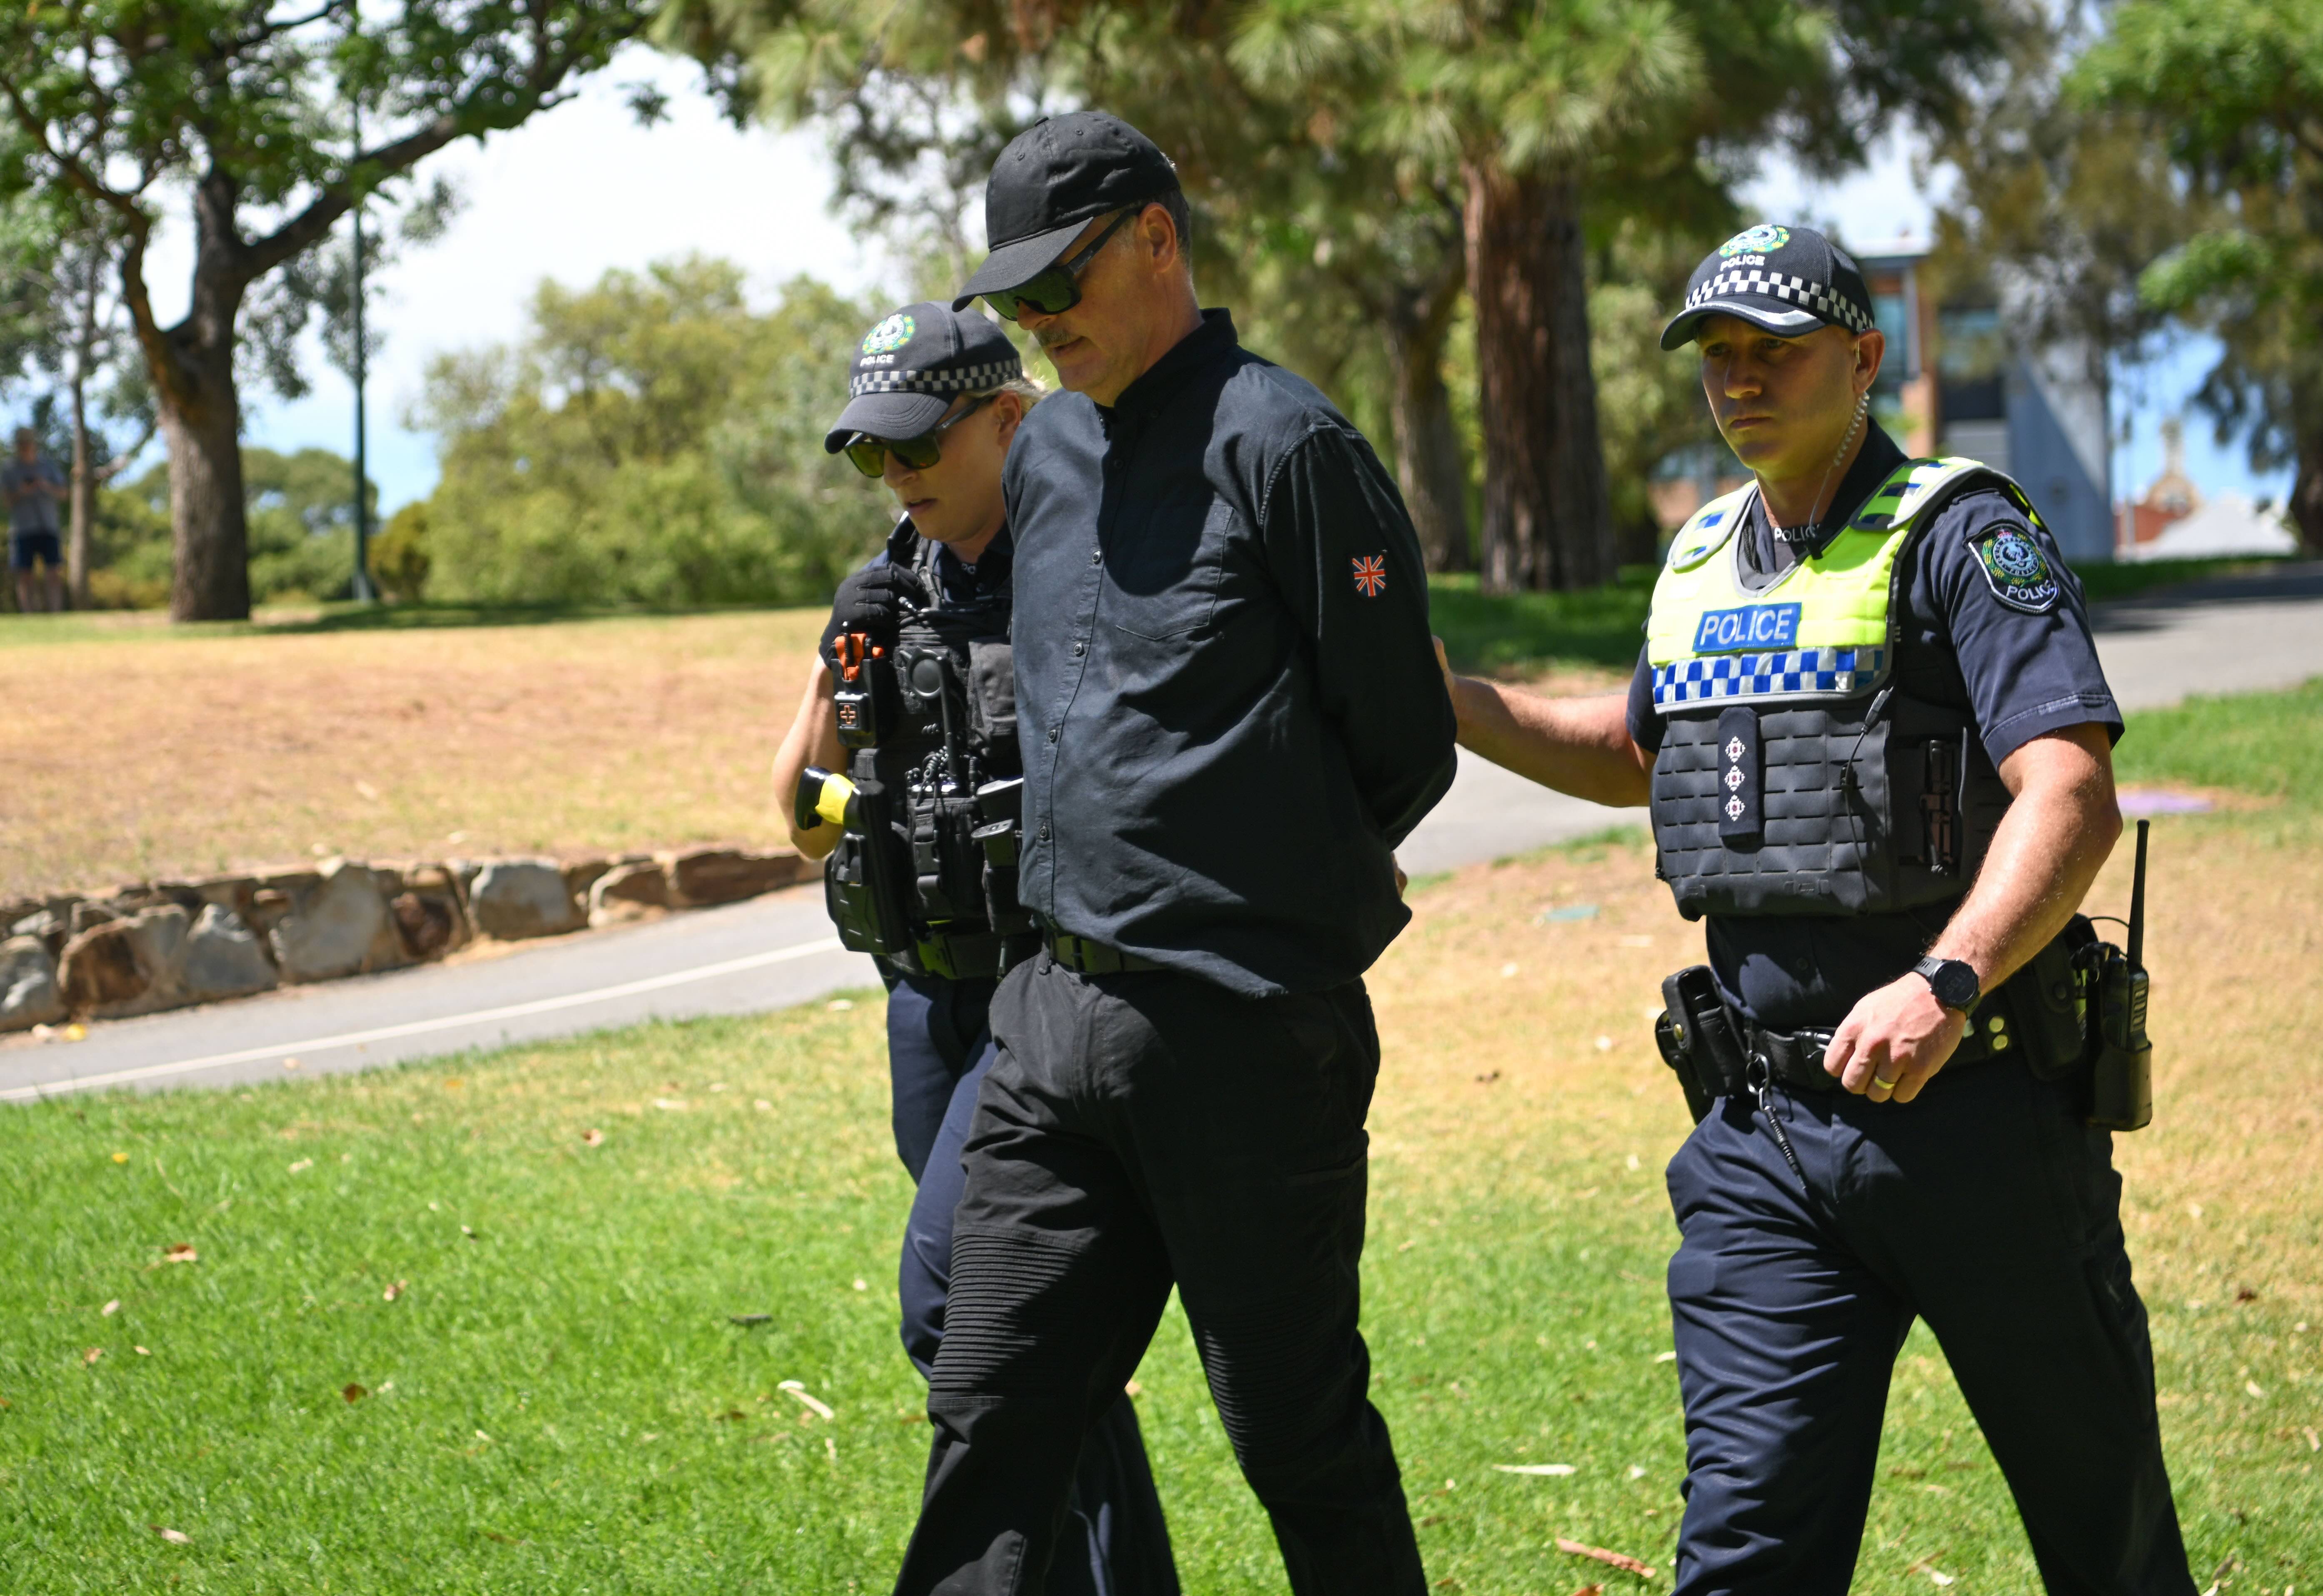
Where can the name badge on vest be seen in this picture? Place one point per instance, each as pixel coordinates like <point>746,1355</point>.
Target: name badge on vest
<point>1738,777</point>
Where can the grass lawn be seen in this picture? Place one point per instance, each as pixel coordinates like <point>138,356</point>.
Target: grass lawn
<point>556,1398</point>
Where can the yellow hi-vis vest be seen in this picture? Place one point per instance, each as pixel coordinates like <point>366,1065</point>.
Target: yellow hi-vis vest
<point>1792,778</point>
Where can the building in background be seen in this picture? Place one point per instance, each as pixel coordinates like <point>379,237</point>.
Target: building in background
<point>2171,521</point>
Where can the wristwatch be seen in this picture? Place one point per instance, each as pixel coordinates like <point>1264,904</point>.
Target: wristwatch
<point>1953,983</point>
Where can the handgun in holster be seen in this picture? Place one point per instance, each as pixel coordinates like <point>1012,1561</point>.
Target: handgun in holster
<point>1696,1033</point>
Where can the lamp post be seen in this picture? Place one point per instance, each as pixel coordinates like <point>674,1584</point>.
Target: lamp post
<point>364,592</point>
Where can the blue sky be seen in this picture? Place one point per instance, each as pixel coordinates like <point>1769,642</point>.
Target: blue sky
<point>584,189</point>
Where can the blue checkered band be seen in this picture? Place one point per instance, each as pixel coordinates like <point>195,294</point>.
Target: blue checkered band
<point>1793,674</point>
<point>961,380</point>
<point>1807,296</point>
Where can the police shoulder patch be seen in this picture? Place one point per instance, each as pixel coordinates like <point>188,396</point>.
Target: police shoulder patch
<point>2016,569</point>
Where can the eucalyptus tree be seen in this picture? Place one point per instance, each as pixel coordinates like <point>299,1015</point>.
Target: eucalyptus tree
<point>2233,89</point>
<point>246,109</point>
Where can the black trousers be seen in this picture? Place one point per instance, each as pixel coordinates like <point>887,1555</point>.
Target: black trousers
<point>1115,1541</point>
<point>1135,1131</point>
<point>1987,1208</point>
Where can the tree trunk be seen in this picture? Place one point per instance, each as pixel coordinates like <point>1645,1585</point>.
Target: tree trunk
<point>84,497</point>
<point>192,367</point>
<point>1428,463</point>
<point>1547,520</point>
<point>208,533</point>
<point>84,469</point>
<point>2306,505</point>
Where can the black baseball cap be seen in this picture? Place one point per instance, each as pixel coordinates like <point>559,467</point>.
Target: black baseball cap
<point>909,369</point>
<point>1053,179</point>
<point>1787,279</point>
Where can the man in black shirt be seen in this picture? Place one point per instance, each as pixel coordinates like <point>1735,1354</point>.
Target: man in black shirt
<point>1877,744</point>
<point>1230,716</point>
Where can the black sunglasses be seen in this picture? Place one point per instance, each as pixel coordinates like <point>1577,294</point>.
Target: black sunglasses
<point>870,454</point>
<point>1058,288</point>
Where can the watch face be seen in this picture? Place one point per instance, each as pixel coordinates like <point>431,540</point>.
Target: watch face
<point>1953,983</point>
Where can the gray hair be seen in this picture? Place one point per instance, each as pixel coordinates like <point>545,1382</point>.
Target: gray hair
<point>1027,390</point>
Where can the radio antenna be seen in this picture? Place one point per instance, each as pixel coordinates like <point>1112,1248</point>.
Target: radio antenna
<point>2138,903</point>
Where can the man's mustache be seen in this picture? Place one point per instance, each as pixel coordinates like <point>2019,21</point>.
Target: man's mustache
<point>1050,336</point>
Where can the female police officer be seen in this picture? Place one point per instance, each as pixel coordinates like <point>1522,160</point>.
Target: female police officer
<point>934,400</point>
<point>1871,725</point>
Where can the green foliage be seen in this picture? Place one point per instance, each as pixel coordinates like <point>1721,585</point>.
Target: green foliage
<point>301,531</point>
<point>2232,87</point>
<point>651,439</point>
<point>399,557</point>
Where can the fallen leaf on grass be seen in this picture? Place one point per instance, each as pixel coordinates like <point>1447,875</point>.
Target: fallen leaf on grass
<point>304,1164</point>
<point>290,1063</point>
<point>92,1355</point>
<point>481,1437</point>
<point>470,1235</point>
<point>1134,1388</point>
<point>183,1252</point>
<point>1940,1579</point>
<point>175,1538</point>
<point>110,1309</point>
<point>674,1104</point>
<point>353,1392</point>
<point>140,1352</point>
<point>1591,1590</point>
<point>120,1158</point>
<point>1610,1559</point>
<point>1637,1471</point>
<point>797,1388</point>
<point>749,1318</point>
<point>1665,1357</point>
<point>762,1106</point>
<point>506,1540</point>
<point>1559,1470</point>
<point>2254,1387</point>
<point>839,1006</point>
<point>395,1288</point>
<point>730,1416</point>
<point>593,1137</point>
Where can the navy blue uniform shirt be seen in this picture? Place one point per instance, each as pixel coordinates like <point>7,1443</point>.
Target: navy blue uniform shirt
<point>2017,673</point>
<point>1228,704</point>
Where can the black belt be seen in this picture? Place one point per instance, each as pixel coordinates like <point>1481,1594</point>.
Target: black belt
<point>1794,1058</point>
<point>1093,959</point>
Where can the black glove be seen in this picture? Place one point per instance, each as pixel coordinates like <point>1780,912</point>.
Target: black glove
<point>873,602</point>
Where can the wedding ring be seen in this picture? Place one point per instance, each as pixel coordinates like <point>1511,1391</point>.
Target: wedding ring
<point>1884,1086</point>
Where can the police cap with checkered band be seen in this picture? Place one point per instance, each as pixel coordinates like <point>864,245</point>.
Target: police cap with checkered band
<point>908,369</point>
<point>1787,279</point>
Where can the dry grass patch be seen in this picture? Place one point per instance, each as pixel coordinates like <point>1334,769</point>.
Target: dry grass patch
<point>136,754</point>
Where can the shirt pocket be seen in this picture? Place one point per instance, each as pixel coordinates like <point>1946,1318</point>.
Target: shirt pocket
<point>1163,564</point>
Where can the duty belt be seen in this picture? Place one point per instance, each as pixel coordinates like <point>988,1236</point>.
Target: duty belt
<point>1093,959</point>
<point>1794,1058</point>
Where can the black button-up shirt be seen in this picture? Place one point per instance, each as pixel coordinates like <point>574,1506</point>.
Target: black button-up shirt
<point>1228,703</point>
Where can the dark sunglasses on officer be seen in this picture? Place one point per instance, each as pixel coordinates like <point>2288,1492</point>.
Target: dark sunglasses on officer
<point>870,454</point>
<point>1058,288</point>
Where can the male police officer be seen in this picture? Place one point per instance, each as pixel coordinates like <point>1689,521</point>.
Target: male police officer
<point>913,682</point>
<point>1871,725</point>
<point>1229,716</point>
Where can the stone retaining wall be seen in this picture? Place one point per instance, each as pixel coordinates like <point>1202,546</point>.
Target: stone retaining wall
<point>160,945</point>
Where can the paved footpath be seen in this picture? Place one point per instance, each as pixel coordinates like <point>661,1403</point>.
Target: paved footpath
<point>2225,636</point>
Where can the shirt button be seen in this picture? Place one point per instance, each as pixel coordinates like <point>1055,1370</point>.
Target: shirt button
<point>1052,734</point>
<point>1044,830</point>
<point>1096,556</point>
<point>1081,648</point>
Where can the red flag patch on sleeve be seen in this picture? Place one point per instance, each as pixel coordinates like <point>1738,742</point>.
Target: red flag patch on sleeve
<point>1370,574</point>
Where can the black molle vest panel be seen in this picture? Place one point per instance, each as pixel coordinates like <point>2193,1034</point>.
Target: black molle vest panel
<point>1869,806</point>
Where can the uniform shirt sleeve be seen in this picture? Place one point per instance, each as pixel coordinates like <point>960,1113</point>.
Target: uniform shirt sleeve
<point>2031,666</point>
<point>1347,563</point>
<point>1645,720</point>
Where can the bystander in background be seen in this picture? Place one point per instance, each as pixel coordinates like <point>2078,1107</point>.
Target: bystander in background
<point>32,485</point>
